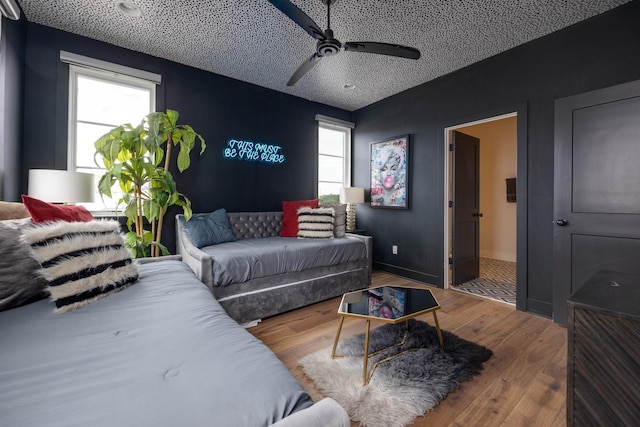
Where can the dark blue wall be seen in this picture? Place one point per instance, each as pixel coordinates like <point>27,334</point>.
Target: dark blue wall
<point>217,107</point>
<point>11,106</point>
<point>596,53</point>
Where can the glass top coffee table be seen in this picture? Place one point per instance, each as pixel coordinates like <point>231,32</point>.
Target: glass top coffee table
<point>388,304</point>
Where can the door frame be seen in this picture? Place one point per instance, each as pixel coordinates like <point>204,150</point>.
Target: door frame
<point>520,111</point>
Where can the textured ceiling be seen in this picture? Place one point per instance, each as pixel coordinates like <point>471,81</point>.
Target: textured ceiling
<point>252,41</point>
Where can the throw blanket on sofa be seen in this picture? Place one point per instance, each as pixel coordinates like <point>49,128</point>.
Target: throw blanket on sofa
<point>247,259</point>
<point>162,352</point>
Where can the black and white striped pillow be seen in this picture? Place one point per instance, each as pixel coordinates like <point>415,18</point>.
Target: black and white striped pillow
<point>315,223</point>
<point>81,261</point>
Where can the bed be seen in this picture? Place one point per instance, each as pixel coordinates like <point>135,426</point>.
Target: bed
<point>160,352</point>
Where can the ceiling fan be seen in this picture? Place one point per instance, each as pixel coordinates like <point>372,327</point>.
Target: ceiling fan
<point>328,45</point>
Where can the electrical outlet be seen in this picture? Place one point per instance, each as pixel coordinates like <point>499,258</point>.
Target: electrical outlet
<point>394,249</point>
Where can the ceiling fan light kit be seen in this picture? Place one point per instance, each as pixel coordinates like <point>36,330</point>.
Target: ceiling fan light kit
<point>328,45</point>
<point>128,8</point>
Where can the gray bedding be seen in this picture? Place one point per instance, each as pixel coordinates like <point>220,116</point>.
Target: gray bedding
<point>160,353</point>
<point>248,259</point>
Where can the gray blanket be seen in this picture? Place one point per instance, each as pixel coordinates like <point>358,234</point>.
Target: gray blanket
<point>247,259</point>
<point>159,353</point>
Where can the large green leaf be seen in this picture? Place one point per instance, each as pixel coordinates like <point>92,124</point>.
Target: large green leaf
<point>183,160</point>
<point>172,115</point>
<point>153,122</point>
<point>188,138</point>
<point>131,213</point>
<point>106,182</point>
<point>151,209</point>
<point>185,204</point>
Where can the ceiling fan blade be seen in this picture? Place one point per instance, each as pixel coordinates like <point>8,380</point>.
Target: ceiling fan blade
<point>304,69</point>
<point>299,17</point>
<point>383,49</point>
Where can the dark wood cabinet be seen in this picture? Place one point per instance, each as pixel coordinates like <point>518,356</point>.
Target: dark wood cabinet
<point>603,371</point>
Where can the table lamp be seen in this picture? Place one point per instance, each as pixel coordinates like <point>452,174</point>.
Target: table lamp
<point>351,196</point>
<point>61,186</point>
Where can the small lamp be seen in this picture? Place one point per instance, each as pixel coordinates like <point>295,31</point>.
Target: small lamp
<point>351,196</point>
<point>60,186</point>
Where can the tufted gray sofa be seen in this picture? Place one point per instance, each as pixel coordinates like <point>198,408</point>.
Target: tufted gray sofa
<point>267,296</point>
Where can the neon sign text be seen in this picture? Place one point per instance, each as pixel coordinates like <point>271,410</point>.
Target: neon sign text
<point>253,151</point>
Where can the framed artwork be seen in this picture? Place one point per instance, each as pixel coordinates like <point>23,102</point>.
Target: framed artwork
<point>390,173</point>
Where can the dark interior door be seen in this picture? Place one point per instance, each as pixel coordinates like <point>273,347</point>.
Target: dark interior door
<point>466,205</point>
<point>596,188</point>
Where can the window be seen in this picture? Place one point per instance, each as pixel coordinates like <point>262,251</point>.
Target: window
<point>99,100</point>
<point>334,158</point>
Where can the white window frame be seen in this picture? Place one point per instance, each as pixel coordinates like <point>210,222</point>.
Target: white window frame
<point>345,127</point>
<point>107,72</point>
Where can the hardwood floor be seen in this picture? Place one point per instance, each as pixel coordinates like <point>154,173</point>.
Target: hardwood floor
<point>523,384</point>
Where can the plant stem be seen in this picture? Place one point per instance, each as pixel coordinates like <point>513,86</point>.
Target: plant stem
<point>153,233</point>
<point>158,233</point>
<point>139,225</point>
<point>166,158</point>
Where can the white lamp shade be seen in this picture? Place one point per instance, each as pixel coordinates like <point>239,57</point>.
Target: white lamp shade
<point>351,195</point>
<point>60,186</point>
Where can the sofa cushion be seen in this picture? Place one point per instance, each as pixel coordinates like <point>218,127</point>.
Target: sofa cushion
<point>315,223</point>
<point>42,211</point>
<point>19,282</point>
<point>248,259</point>
<point>290,216</point>
<point>13,210</point>
<point>81,261</point>
<point>209,228</point>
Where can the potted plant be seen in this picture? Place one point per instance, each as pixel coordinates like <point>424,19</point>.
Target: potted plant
<point>138,159</point>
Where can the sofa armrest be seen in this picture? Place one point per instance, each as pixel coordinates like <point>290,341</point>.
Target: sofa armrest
<point>194,257</point>
<point>325,413</point>
<point>368,241</point>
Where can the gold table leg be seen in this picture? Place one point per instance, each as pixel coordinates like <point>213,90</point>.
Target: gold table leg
<point>435,318</point>
<point>335,342</point>
<point>365,377</point>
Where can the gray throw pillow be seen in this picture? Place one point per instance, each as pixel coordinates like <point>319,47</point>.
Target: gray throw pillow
<point>209,229</point>
<point>19,282</point>
<point>339,219</point>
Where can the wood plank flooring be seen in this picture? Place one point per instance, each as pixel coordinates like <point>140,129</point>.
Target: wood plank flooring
<point>523,384</point>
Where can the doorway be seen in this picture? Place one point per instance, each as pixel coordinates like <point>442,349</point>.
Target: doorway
<point>493,214</point>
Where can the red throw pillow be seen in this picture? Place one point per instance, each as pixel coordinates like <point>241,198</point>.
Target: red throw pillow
<point>42,211</point>
<point>290,216</point>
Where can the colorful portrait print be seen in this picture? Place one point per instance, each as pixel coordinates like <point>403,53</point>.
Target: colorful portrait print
<point>389,173</point>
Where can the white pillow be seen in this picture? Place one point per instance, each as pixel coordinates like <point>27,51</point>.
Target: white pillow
<point>315,223</point>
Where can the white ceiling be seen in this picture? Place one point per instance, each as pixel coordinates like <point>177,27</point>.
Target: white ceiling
<point>252,41</point>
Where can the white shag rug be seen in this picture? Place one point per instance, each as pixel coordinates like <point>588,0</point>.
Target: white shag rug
<point>403,388</point>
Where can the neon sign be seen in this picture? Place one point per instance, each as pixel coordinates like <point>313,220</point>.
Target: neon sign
<point>253,151</point>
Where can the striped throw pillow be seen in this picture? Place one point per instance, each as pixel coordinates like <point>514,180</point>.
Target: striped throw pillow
<point>315,223</point>
<point>81,261</point>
